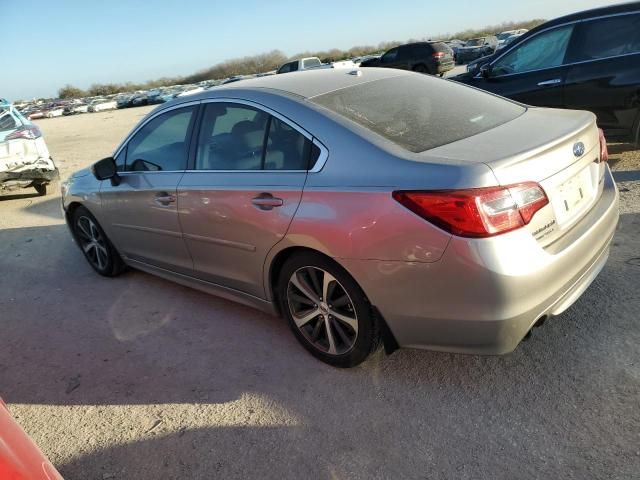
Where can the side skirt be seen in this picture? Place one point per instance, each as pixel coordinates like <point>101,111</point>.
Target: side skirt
<point>207,287</point>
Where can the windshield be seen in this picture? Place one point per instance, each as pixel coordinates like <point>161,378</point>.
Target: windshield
<point>419,113</point>
<point>503,35</point>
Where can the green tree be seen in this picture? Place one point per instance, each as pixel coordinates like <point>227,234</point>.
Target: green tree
<point>69,91</point>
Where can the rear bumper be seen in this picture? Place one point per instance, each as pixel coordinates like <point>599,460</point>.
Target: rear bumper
<point>483,296</point>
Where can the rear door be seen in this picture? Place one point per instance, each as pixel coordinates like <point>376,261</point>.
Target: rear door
<point>534,71</point>
<point>141,212</point>
<point>242,191</point>
<point>605,75</point>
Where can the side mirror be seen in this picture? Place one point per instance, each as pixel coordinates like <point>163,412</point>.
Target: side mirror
<point>106,169</point>
<point>485,71</point>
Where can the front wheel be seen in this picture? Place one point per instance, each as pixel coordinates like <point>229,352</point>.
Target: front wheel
<point>96,247</point>
<point>327,311</point>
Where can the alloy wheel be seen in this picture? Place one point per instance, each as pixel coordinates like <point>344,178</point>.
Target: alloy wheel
<point>322,310</point>
<point>92,242</point>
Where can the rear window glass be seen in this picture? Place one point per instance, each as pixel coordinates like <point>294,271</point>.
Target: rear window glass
<point>417,112</point>
<point>440,47</point>
<point>311,62</point>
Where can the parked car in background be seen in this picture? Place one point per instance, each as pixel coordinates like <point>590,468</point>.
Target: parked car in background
<point>24,158</point>
<point>75,108</point>
<point>507,41</point>
<point>313,63</point>
<point>381,207</point>
<point>20,458</point>
<point>102,104</point>
<point>34,113</point>
<point>434,58</point>
<point>588,61</point>
<point>190,90</point>
<point>300,64</point>
<point>476,48</point>
<point>455,45</point>
<point>53,111</point>
<point>502,37</point>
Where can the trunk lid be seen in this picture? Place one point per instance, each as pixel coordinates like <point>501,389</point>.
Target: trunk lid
<point>559,149</point>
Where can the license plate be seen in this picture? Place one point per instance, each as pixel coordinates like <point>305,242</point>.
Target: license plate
<point>573,194</point>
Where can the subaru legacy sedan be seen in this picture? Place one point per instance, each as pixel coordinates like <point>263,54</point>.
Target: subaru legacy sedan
<point>367,207</point>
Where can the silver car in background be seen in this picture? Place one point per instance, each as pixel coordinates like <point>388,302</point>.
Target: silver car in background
<point>366,207</point>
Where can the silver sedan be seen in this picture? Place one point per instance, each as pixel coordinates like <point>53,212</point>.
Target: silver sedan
<point>368,207</point>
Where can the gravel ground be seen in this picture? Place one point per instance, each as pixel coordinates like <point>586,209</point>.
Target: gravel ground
<point>139,378</point>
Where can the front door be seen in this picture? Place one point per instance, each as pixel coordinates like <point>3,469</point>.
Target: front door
<point>534,72</point>
<point>142,210</point>
<point>238,201</point>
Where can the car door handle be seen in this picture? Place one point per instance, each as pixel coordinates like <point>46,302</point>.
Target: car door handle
<point>548,83</point>
<point>165,199</point>
<point>266,201</point>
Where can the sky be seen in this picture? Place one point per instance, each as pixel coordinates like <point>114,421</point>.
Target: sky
<point>53,43</point>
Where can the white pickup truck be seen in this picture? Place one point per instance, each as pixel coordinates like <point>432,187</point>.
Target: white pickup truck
<point>312,63</point>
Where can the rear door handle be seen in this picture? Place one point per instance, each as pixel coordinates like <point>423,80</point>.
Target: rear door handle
<point>165,199</point>
<point>266,201</point>
<point>548,83</point>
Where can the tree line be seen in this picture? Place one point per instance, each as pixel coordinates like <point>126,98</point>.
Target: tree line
<point>268,61</point>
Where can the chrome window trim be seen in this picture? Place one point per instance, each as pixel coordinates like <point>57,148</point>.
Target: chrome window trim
<point>574,23</point>
<point>324,153</point>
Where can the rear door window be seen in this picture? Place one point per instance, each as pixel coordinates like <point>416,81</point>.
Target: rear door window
<point>231,137</point>
<point>606,37</point>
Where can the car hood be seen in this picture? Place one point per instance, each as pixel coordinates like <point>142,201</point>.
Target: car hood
<point>81,173</point>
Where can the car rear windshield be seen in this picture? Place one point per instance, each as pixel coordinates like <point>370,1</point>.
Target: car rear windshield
<point>440,47</point>
<point>418,112</point>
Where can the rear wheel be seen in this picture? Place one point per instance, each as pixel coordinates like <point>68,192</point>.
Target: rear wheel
<point>95,245</point>
<point>420,68</point>
<point>327,311</point>
<point>41,188</point>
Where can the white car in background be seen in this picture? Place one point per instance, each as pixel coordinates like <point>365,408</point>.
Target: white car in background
<point>190,91</point>
<point>24,158</point>
<point>102,104</point>
<point>54,112</point>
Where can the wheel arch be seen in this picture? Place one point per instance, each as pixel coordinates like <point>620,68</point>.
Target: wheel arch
<point>273,272</point>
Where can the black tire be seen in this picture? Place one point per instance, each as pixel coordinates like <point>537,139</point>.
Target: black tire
<point>94,244</point>
<point>41,188</point>
<point>420,68</point>
<point>367,336</point>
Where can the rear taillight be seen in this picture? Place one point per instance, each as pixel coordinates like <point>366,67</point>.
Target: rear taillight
<point>477,212</point>
<point>438,55</point>
<point>604,150</point>
<point>30,132</point>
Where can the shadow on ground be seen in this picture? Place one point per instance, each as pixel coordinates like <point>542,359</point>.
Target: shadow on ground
<point>566,401</point>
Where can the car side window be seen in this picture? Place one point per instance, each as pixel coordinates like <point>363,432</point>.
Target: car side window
<point>390,56</point>
<point>231,137</point>
<point>162,144</point>
<point>606,37</point>
<point>545,50</point>
<point>287,149</point>
<point>120,160</point>
<point>7,122</point>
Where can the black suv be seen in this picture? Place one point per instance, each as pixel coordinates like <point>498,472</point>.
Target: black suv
<point>588,61</point>
<point>434,58</point>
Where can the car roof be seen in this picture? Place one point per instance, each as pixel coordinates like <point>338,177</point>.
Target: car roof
<point>591,13</point>
<point>305,84</point>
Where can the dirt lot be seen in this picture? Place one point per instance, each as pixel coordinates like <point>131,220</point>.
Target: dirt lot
<point>138,378</point>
